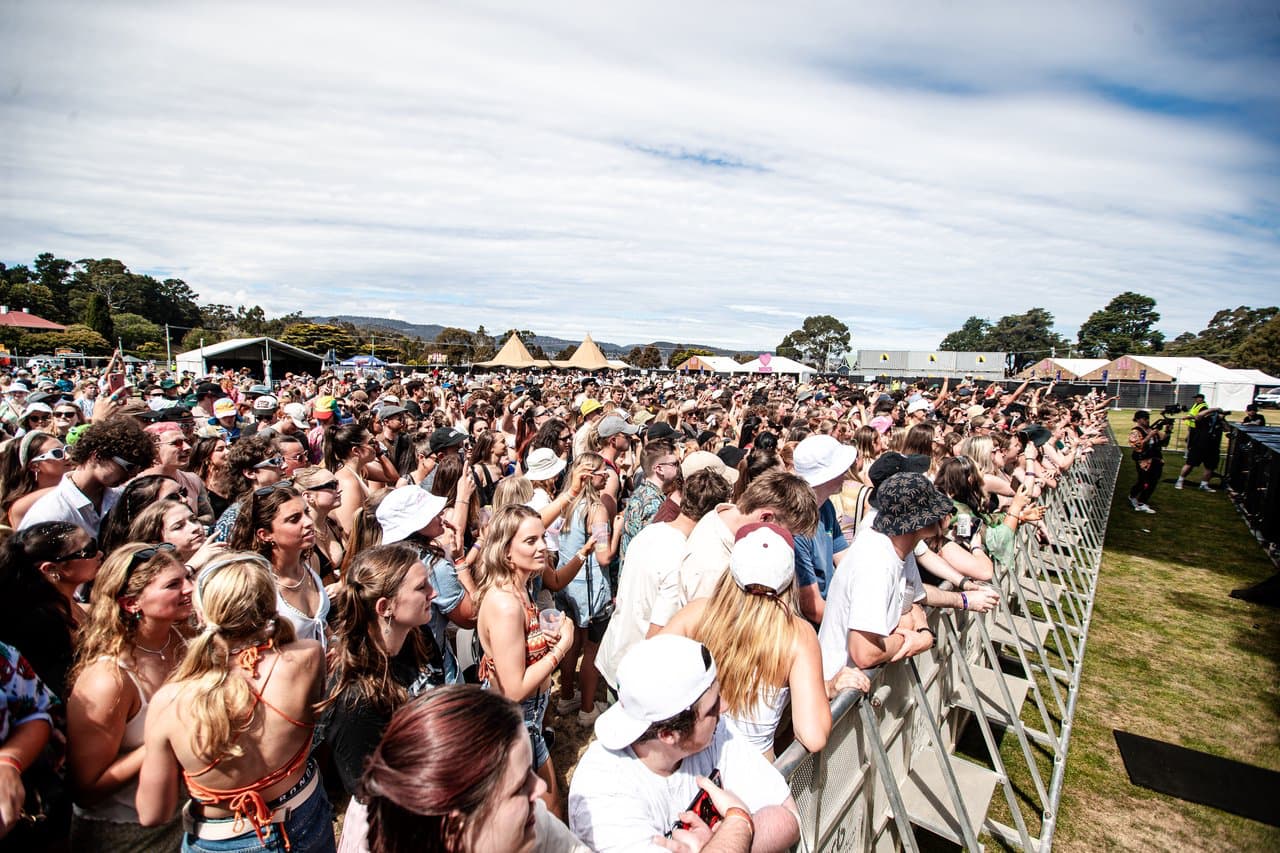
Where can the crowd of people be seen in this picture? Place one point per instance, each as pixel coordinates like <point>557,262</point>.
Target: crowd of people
<point>225,604</point>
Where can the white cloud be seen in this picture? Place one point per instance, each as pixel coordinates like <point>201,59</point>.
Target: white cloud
<point>685,172</point>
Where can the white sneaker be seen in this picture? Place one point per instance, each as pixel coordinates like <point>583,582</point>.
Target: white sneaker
<point>568,706</point>
<point>588,718</point>
<point>1145,508</point>
<point>1205,487</point>
<point>1178,484</point>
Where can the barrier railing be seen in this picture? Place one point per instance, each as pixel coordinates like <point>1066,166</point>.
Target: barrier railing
<point>889,766</point>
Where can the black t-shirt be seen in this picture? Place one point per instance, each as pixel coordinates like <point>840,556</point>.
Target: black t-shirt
<point>353,728</point>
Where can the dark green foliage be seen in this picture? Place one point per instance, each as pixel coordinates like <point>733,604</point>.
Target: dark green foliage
<point>97,316</point>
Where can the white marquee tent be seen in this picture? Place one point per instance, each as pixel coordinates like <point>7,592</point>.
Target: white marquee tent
<point>767,363</point>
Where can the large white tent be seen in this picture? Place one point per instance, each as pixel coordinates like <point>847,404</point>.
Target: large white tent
<point>767,363</point>
<point>263,356</point>
<point>710,364</point>
<point>1223,387</point>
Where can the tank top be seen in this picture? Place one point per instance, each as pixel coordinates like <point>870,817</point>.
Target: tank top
<point>121,805</point>
<point>535,645</point>
<point>307,627</point>
<point>758,726</point>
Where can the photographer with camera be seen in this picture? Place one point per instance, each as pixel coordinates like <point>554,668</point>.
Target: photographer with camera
<point>1148,442</point>
<point>1204,442</point>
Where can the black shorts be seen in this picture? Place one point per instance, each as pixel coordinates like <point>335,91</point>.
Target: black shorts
<point>1203,454</point>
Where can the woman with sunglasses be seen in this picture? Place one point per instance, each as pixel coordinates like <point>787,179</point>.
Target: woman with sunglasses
<point>348,450</point>
<point>66,416</point>
<point>30,467</point>
<point>174,523</point>
<point>275,524</point>
<point>40,568</point>
<point>236,720</point>
<point>319,487</point>
<point>130,644</point>
<point>35,416</point>
<point>586,599</point>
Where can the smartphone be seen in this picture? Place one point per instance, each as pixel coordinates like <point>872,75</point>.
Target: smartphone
<point>702,807</point>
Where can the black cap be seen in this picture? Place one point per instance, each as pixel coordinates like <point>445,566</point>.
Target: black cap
<point>446,437</point>
<point>1038,434</point>
<point>895,463</point>
<point>209,389</point>
<point>661,429</point>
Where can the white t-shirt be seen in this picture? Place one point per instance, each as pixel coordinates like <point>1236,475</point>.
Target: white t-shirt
<point>706,556</point>
<point>870,590</point>
<point>652,562</point>
<point>616,803</point>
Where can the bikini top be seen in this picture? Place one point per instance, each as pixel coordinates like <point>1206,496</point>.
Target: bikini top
<point>536,646</point>
<point>246,802</point>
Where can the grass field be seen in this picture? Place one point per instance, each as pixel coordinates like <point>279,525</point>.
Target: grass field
<point>1171,656</point>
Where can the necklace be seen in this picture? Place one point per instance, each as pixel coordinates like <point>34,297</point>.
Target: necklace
<point>290,586</point>
<point>160,652</point>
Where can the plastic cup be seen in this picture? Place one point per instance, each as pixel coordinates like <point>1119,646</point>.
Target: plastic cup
<point>549,621</point>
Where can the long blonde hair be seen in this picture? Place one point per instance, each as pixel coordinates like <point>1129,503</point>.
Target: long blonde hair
<point>978,448</point>
<point>236,600</point>
<point>750,637</point>
<point>109,630</point>
<point>495,567</point>
<point>589,497</point>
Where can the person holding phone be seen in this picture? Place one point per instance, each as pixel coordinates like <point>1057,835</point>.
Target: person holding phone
<point>654,750</point>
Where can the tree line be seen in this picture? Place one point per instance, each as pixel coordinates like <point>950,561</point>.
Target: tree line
<point>1240,337</point>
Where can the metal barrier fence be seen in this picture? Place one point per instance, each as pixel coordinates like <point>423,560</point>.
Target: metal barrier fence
<point>889,766</point>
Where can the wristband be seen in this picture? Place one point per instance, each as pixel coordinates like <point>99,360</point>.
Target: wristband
<point>555,659</point>
<point>12,762</point>
<point>964,601</point>
<point>735,811</point>
<point>927,630</point>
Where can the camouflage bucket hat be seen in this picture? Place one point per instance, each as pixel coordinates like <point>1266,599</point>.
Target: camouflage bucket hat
<point>907,503</point>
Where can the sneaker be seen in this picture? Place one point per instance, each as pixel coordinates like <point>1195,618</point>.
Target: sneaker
<point>1205,487</point>
<point>1178,483</point>
<point>1145,508</point>
<point>588,718</point>
<point>568,706</point>
<point>1134,503</point>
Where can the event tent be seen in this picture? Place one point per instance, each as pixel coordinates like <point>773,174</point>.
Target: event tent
<point>767,363</point>
<point>262,356</point>
<point>514,354</point>
<point>1061,368</point>
<point>363,361</point>
<point>587,357</point>
<point>710,364</point>
<point>1222,387</point>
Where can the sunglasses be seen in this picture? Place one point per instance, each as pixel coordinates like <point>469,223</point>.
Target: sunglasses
<point>63,416</point>
<point>263,491</point>
<point>55,453</point>
<point>143,556</point>
<point>89,550</point>
<point>273,462</point>
<point>128,467</point>
<point>180,495</point>
<point>39,418</point>
<point>331,486</point>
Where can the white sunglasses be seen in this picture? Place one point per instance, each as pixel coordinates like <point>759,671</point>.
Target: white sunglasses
<point>55,453</point>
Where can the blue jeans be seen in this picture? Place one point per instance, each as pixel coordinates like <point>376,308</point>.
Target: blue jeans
<point>309,827</point>
<point>534,709</point>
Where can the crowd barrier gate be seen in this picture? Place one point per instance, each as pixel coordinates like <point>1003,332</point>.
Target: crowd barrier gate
<point>889,765</point>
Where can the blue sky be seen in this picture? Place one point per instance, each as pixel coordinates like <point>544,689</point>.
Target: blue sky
<point>707,172</point>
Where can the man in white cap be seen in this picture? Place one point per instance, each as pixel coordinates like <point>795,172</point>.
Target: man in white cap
<point>917,411</point>
<point>824,464</point>
<point>412,515</point>
<point>640,776</point>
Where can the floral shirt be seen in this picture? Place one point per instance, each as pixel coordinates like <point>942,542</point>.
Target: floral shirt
<point>641,509</point>
<point>23,696</point>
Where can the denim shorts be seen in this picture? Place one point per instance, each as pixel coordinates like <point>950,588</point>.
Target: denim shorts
<point>534,709</point>
<point>309,827</point>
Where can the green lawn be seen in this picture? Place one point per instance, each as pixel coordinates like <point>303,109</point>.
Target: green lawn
<point>1171,656</point>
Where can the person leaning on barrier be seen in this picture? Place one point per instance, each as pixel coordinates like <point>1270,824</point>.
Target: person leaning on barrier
<point>655,746</point>
<point>874,604</point>
<point>1148,445</point>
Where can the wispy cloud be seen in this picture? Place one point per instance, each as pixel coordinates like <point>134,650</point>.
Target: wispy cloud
<point>708,171</point>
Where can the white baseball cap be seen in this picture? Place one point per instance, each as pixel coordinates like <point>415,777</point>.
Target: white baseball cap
<point>657,679</point>
<point>763,556</point>
<point>407,510</point>
<point>297,413</point>
<point>920,405</point>
<point>820,459</point>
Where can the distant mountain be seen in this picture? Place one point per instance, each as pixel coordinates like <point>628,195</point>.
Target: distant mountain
<point>550,345</point>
